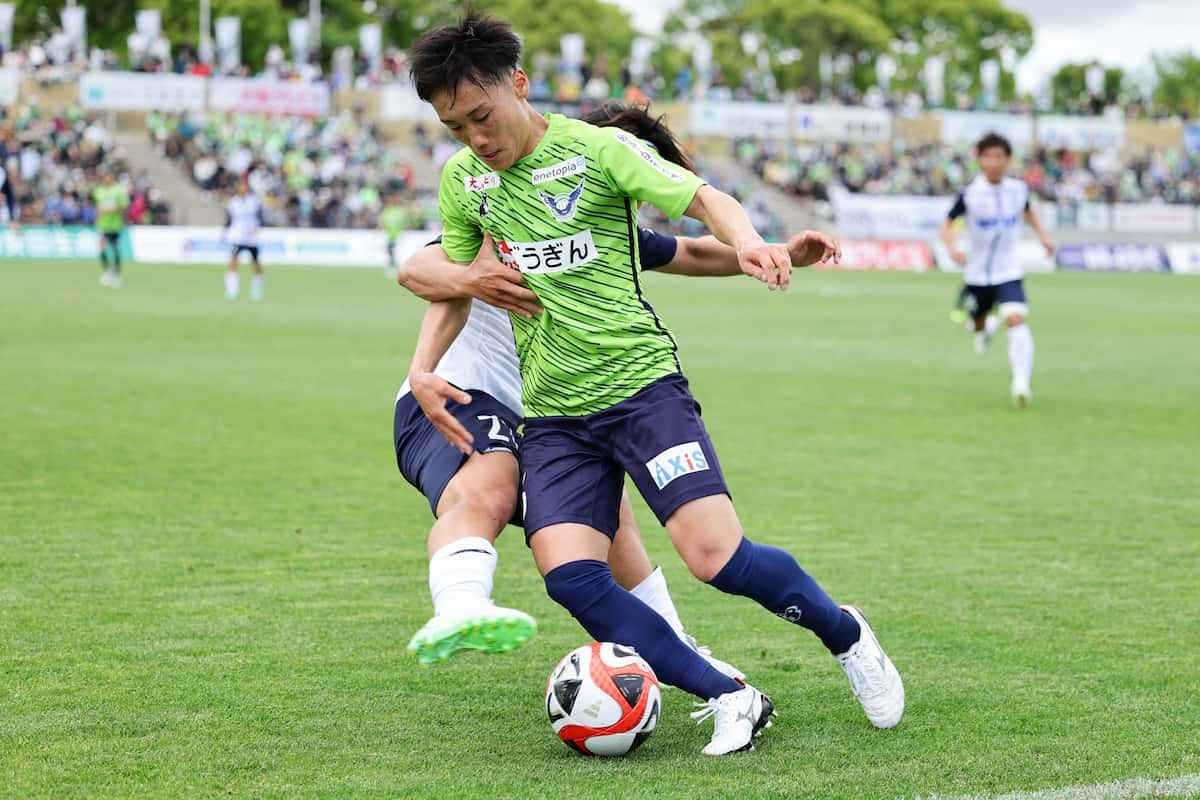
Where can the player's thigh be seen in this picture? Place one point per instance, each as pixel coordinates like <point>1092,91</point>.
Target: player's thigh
<point>563,543</point>
<point>568,478</point>
<point>1011,302</point>
<point>486,483</point>
<point>659,438</point>
<point>705,533</point>
<point>628,559</point>
<point>430,463</point>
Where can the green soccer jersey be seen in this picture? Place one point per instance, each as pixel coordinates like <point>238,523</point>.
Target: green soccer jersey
<point>111,202</point>
<point>393,220</point>
<point>566,217</point>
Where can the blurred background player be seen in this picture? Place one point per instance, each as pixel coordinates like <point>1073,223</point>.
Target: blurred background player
<point>393,220</point>
<point>111,200</point>
<point>11,210</point>
<point>993,206</point>
<point>243,218</point>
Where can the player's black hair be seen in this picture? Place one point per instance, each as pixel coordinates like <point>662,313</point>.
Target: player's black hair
<point>639,122</point>
<point>480,49</point>
<point>993,139</point>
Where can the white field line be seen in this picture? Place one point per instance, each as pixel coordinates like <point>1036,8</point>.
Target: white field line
<point>1130,789</point>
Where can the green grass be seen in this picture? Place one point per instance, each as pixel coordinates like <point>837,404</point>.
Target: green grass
<point>209,566</point>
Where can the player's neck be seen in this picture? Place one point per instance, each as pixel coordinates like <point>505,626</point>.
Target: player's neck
<point>537,130</point>
<point>996,182</point>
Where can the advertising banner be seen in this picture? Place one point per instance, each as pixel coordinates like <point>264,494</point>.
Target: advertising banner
<point>841,123</point>
<point>732,118</point>
<point>253,96</point>
<point>883,254</point>
<point>141,91</point>
<point>965,128</point>
<point>288,246</point>
<point>889,216</point>
<point>1080,133</point>
<point>1184,257</point>
<point>54,242</point>
<point>398,102</point>
<point>1113,257</point>
<point>1152,218</point>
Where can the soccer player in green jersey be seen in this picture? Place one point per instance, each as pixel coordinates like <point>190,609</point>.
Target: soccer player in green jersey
<point>603,390</point>
<point>393,219</point>
<point>111,200</point>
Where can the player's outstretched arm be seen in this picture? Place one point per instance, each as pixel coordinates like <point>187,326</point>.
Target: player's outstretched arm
<point>442,324</point>
<point>948,239</point>
<point>431,275</point>
<point>708,257</point>
<point>728,221</point>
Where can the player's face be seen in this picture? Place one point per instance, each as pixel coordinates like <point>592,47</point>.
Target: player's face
<point>993,162</point>
<point>493,122</point>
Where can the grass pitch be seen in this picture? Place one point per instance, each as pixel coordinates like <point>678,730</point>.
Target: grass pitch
<point>209,566</point>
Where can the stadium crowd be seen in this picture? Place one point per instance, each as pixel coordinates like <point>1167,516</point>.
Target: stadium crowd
<point>54,160</point>
<point>325,173</point>
<point>1060,176</point>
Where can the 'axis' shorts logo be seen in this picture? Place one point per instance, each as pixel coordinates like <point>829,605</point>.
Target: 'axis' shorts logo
<point>683,459</point>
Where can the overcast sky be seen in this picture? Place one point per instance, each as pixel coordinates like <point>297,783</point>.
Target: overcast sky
<point>1120,32</point>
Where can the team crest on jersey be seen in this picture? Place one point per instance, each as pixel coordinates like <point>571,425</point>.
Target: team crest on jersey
<point>563,169</point>
<point>563,206</point>
<point>478,183</point>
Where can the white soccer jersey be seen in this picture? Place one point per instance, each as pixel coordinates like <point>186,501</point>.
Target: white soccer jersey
<point>483,357</point>
<point>994,213</point>
<point>245,218</point>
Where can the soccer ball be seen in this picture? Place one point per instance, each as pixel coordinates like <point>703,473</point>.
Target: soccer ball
<point>603,699</point>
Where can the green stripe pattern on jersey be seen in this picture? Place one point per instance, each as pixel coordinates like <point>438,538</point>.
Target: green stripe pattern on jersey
<point>566,216</point>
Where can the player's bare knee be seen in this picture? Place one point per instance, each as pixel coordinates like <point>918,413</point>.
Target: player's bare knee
<point>496,503</point>
<point>705,563</point>
<point>1013,320</point>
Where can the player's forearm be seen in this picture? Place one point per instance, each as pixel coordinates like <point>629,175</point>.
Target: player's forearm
<point>947,234</point>
<point>705,257</point>
<point>442,324</point>
<point>724,217</point>
<point>430,275</point>
<point>1032,218</point>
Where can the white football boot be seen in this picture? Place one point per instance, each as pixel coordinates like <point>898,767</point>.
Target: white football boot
<point>873,676</point>
<point>1022,395</point>
<point>489,628</point>
<point>115,281</point>
<point>737,718</point>
<point>723,667</point>
<point>105,278</point>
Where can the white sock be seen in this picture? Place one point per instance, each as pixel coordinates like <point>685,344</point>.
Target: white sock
<point>991,324</point>
<point>460,576</point>
<point>654,593</point>
<point>1020,355</point>
<point>257,282</point>
<point>231,284</point>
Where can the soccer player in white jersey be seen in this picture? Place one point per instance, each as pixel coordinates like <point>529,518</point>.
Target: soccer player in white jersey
<point>243,220</point>
<point>473,489</point>
<point>993,206</point>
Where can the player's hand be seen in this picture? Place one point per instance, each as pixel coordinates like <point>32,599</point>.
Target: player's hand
<point>812,247</point>
<point>769,263</point>
<point>1049,245</point>
<point>958,256</point>
<point>493,282</point>
<point>432,393</point>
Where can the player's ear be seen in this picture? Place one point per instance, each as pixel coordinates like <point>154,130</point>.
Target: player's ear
<point>520,83</point>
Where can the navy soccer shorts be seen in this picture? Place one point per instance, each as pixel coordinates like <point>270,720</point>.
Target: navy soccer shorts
<point>574,467</point>
<point>982,299</point>
<point>428,461</point>
<point>238,249</point>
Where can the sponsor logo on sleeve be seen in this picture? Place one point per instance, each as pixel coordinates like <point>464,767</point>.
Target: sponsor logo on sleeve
<point>562,206</point>
<point>563,169</point>
<point>478,183</point>
<point>683,459</point>
<point>551,255</point>
<point>637,146</point>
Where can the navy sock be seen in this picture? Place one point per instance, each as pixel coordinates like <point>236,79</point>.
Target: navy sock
<point>773,578</point>
<point>610,614</point>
